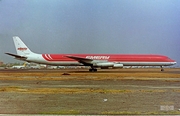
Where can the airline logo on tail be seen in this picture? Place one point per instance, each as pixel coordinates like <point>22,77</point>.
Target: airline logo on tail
<point>22,49</point>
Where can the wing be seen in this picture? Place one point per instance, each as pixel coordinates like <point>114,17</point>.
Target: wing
<point>81,59</point>
<point>16,56</point>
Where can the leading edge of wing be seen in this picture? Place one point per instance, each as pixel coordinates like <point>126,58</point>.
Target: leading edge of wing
<point>15,55</point>
<point>80,59</point>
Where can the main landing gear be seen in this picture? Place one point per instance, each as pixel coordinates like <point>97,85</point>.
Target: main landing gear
<point>92,69</point>
<point>162,69</point>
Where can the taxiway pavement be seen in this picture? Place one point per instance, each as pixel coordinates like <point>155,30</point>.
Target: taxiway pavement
<point>138,91</point>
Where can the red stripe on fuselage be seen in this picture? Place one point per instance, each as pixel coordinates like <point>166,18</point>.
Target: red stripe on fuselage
<point>110,57</point>
<point>56,57</point>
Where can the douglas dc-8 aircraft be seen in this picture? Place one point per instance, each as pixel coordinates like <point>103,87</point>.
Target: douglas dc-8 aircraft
<point>92,60</point>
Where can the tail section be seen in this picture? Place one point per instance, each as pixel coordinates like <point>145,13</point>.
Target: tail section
<point>21,48</point>
<point>25,63</point>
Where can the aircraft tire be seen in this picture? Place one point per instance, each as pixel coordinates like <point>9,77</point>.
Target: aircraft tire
<point>92,70</point>
<point>162,69</point>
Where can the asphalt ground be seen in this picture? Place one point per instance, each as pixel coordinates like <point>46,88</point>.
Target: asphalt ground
<point>77,91</point>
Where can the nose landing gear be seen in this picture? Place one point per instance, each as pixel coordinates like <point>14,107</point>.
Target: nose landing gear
<point>162,69</point>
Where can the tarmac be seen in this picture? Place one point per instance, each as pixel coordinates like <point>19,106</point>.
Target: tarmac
<point>79,92</point>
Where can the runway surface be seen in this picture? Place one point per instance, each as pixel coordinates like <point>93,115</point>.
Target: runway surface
<point>119,91</point>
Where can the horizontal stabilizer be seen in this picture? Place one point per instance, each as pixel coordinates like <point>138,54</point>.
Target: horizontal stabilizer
<point>16,56</point>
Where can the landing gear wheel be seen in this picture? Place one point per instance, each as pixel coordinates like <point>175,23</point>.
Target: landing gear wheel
<point>162,69</point>
<point>92,70</point>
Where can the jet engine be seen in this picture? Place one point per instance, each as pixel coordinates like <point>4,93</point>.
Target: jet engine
<point>118,66</point>
<point>108,64</point>
<point>104,64</point>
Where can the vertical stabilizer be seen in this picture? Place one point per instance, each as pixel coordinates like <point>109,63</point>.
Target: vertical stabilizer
<point>21,48</point>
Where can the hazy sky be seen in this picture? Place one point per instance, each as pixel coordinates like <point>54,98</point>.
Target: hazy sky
<point>91,26</point>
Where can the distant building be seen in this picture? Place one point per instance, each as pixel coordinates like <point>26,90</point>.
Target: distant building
<point>1,63</point>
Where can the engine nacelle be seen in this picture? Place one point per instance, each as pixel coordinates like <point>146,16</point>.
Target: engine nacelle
<point>104,64</point>
<point>108,64</point>
<point>118,66</point>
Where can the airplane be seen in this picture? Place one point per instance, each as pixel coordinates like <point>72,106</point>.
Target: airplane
<point>19,66</point>
<point>94,61</point>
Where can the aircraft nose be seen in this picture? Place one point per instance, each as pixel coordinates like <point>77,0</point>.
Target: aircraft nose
<point>174,62</point>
